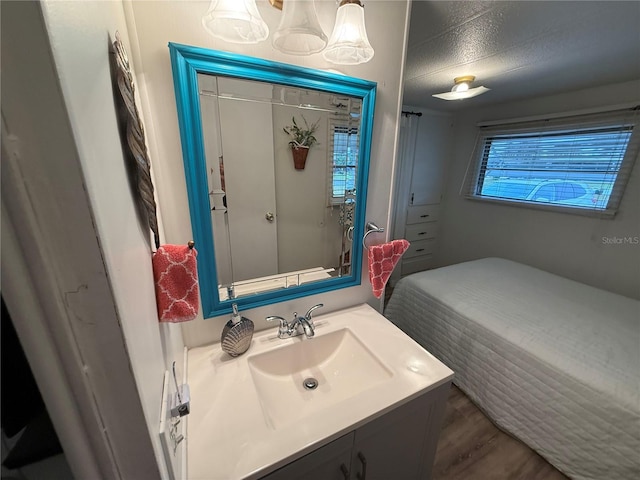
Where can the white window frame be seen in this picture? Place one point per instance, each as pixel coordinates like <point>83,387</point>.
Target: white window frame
<point>339,122</point>
<point>626,118</point>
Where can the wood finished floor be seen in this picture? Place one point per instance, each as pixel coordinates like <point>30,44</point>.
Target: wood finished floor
<point>471,447</point>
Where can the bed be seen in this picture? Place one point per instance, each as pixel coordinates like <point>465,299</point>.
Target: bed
<point>554,362</point>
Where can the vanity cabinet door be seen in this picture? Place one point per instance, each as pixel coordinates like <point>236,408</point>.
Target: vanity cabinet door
<point>330,462</point>
<point>402,443</point>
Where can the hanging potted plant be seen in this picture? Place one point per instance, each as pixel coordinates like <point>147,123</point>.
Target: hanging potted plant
<point>301,140</point>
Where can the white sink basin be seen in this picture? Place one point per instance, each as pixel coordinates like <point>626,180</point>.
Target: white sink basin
<point>251,414</point>
<point>340,364</point>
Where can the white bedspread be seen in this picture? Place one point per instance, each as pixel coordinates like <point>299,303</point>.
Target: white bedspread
<point>552,361</point>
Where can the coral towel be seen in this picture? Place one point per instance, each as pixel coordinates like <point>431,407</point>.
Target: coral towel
<point>176,276</point>
<point>382,260</point>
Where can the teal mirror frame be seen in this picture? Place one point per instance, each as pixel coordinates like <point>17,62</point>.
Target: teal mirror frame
<point>186,63</point>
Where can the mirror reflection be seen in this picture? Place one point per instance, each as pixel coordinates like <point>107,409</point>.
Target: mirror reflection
<point>269,229</point>
<point>278,220</point>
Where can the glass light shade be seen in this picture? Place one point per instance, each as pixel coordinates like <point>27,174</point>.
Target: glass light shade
<point>460,87</point>
<point>458,95</point>
<point>348,44</point>
<point>236,21</point>
<point>299,32</point>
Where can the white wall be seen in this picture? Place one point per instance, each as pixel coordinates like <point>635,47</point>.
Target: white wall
<point>565,244</point>
<point>73,213</point>
<point>305,224</point>
<point>43,297</point>
<point>213,152</point>
<point>157,23</point>
<point>80,34</point>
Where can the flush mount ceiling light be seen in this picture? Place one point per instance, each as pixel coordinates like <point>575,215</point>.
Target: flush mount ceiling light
<point>299,32</point>
<point>462,89</point>
<point>236,21</point>
<point>348,44</point>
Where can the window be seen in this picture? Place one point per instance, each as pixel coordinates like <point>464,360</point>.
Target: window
<point>578,164</point>
<point>343,159</point>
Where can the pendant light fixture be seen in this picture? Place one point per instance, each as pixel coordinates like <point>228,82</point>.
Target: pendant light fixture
<point>299,32</point>
<point>462,89</point>
<point>348,44</point>
<point>236,21</point>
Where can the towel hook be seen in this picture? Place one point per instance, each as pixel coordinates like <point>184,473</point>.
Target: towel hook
<point>371,228</point>
<point>191,244</point>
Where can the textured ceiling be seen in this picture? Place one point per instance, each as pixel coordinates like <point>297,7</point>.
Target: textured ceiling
<point>519,49</point>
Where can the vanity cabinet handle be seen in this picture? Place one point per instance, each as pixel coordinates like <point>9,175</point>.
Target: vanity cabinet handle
<point>424,216</point>
<point>362,475</point>
<point>422,233</point>
<point>345,471</point>
<point>419,249</point>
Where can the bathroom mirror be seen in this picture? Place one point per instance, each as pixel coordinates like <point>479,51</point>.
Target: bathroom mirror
<point>268,229</point>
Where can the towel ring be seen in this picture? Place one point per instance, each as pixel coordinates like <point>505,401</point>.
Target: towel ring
<point>371,228</point>
<point>350,234</point>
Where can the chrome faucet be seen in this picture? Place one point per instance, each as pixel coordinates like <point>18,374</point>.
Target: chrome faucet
<point>300,324</point>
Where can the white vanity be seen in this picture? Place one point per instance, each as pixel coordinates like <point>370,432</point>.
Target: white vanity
<point>360,400</point>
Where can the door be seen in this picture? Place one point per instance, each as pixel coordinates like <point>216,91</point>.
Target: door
<point>402,443</point>
<point>330,462</point>
<point>250,199</point>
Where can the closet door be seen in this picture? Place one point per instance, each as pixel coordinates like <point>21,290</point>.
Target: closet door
<point>432,153</point>
<point>422,162</point>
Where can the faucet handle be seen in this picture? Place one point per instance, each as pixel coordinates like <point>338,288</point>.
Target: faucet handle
<point>310,311</point>
<point>284,326</point>
<point>271,318</point>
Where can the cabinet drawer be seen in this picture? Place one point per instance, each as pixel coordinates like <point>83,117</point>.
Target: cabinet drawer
<point>421,247</point>
<point>417,264</point>
<point>423,213</point>
<point>421,231</point>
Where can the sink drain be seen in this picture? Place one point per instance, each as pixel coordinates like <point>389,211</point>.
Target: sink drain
<point>310,383</point>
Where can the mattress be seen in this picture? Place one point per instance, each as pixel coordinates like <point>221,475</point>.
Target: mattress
<point>553,362</point>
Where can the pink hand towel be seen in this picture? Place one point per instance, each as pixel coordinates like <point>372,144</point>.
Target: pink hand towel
<point>382,260</point>
<point>175,272</point>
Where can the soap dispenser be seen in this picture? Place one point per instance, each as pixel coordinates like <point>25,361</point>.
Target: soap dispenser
<point>237,334</point>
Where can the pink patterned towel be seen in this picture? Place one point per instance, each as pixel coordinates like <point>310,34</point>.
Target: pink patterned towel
<point>176,276</point>
<point>382,260</point>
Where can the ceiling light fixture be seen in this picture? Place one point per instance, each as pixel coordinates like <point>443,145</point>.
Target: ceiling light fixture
<point>236,21</point>
<point>348,44</point>
<point>462,89</point>
<point>299,32</point>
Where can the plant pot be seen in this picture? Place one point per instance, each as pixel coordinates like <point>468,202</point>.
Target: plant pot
<point>299,157</point>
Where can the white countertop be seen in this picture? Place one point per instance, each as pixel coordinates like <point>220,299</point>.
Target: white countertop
<point>229,436</point>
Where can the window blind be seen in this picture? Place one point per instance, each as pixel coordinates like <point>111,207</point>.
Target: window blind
<point>343,154</point>
<point>580,163</point>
